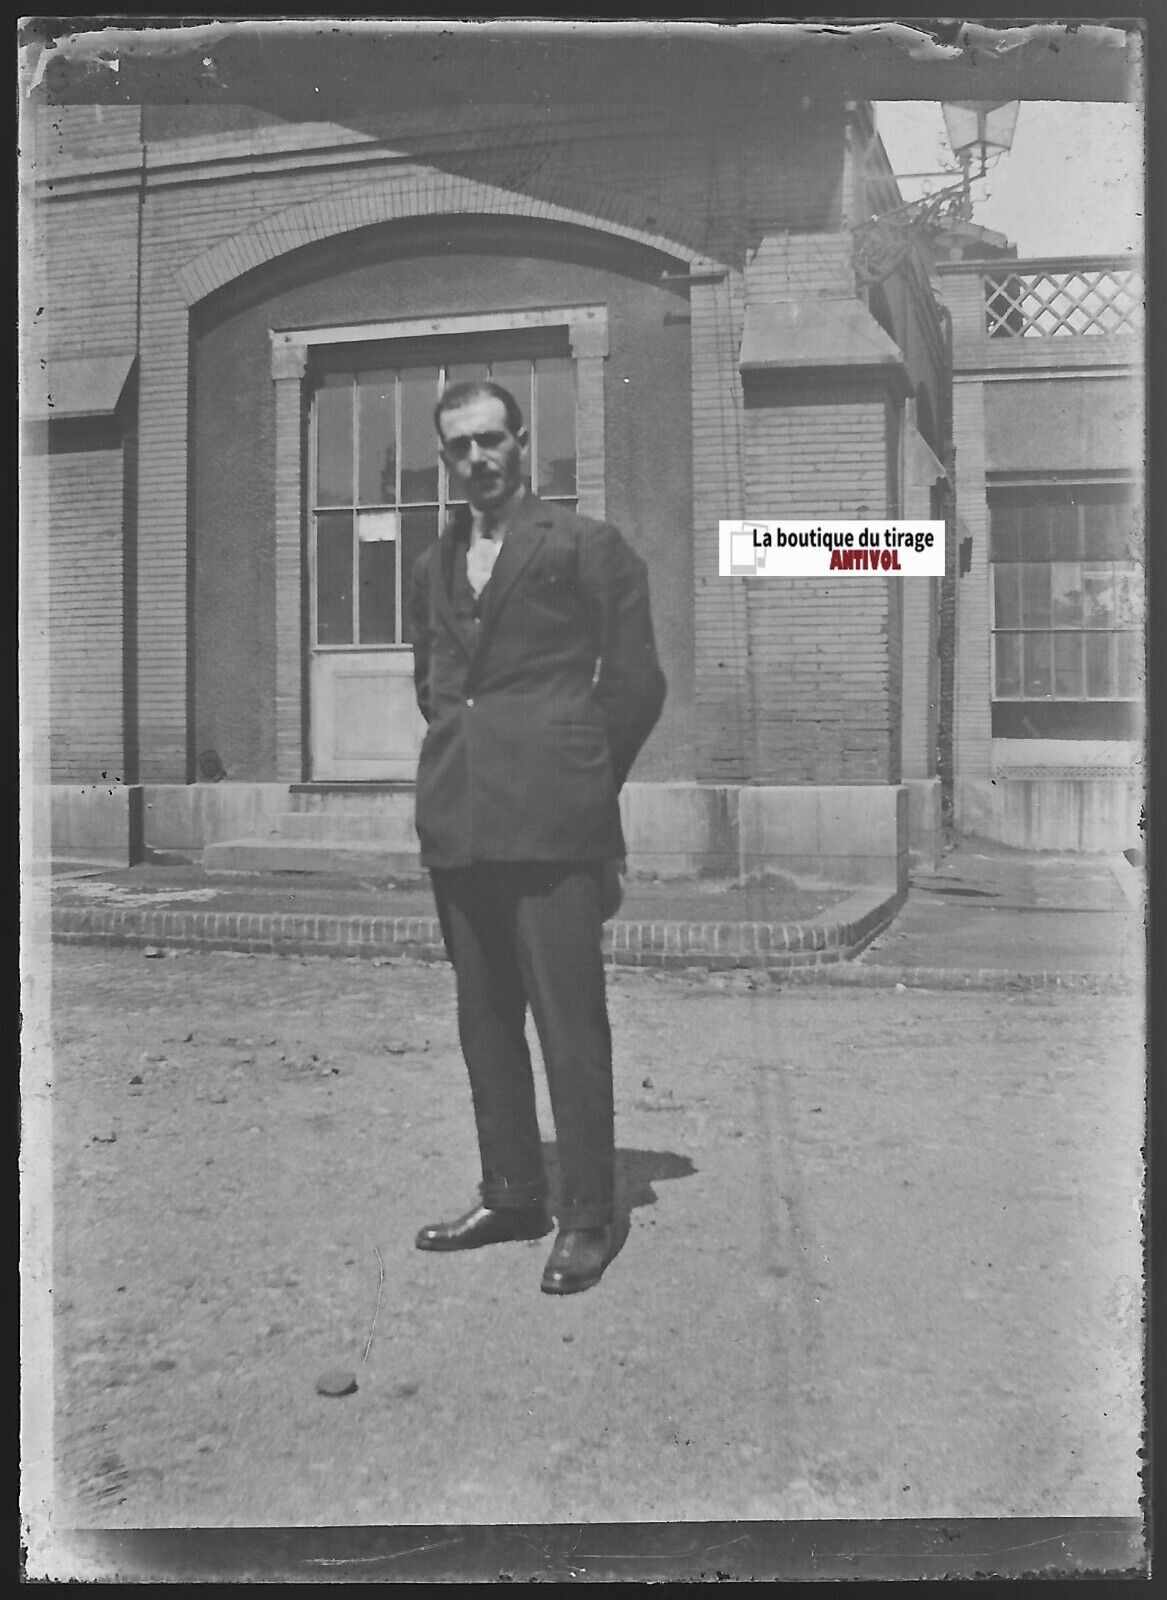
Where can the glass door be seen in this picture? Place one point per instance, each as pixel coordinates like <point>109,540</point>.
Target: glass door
<point>378,496</point>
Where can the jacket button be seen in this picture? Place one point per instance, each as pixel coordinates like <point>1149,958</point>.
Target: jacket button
<point>470,701</point>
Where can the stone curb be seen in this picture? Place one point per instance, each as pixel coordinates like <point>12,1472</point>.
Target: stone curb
<point>713,946</point>
<point>858,976</point>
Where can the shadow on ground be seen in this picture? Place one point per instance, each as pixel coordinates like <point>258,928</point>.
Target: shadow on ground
<point>636,1172</point>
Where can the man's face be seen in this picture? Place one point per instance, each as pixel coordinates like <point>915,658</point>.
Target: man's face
<point>484,457</point>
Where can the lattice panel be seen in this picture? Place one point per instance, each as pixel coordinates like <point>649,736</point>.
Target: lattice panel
<point>1045,305</point>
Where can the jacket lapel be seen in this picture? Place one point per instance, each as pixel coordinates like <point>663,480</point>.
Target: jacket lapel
<point>456,529</point>
<point>523,539</point>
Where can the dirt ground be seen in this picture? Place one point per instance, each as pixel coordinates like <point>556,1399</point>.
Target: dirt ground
<point>883,1256</point>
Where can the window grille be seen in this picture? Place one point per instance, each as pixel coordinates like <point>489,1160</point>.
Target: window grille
<point>1073,303</point>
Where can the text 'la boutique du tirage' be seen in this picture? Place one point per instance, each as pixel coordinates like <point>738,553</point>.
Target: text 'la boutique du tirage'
<point>797,549</point>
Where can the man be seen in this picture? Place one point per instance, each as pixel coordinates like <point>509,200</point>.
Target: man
<point>536,671</point>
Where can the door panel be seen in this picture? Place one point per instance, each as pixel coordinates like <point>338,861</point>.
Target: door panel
<point>365,721</point>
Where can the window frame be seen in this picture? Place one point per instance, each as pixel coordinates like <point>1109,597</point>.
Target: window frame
<point>586,327</point>
<point>444,358</point>
<point>1054,496</point>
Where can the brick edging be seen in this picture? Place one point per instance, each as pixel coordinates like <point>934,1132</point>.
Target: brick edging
<point>716,946</point>
<point>800,953</point>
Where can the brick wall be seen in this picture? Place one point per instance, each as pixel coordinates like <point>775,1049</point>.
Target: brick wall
<point>671,191</point>
<point>752,192</point>
<point>67,134</point>
<point>85,162</point>
<point>83,303</point>
<point>1043,407</point>
<point>406,272</point>
<point>723,693</point>
<point>825,687</point>
<point>85,608</point>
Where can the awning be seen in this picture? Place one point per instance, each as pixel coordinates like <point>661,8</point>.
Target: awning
<point>87,386</point>
<point>782,335</point>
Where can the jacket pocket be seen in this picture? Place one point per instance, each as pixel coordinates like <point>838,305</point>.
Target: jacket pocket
<point>583,745</point>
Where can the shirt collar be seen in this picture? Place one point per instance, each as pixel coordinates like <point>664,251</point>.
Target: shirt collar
<point>502,516</point>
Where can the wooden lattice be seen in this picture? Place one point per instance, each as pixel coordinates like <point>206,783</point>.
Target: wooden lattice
<point>1048,304</point>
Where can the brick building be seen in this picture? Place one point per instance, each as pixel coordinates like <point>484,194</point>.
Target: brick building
<point>245,306</point>
<point>1048,435</point>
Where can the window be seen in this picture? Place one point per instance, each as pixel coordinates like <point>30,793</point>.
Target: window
<point>379,493</point>
<point>1067,610</point>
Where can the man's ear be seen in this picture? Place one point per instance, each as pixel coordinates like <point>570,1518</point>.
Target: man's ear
<point>524,440</point>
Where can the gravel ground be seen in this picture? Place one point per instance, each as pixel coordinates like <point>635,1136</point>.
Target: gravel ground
<point>883,1257</point>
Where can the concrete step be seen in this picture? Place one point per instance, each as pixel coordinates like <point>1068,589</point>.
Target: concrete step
<point>390,829</point>
<point>306,855</point>
<point>353,799</point>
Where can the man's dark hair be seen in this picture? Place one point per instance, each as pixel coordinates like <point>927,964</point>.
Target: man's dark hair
<point>472,389</point>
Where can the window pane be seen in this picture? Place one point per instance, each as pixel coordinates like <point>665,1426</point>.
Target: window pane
<point>419,529</point>
<point>1064,537</point>
<point>1038,519</point>
<point>1005,532</point>
<point>1130,666</point>
<point>1130,541</point>
<point>1098,590</point>
<point>1007,586</point>
<point>1101,530</point>
<point>1037,666</point>
<point>334,441</point>
<point>1099,678</point>
<point>515,376</point>
<point>377,445</point>
<point>1008,651</point>
<point>1066,592</point>
<point>1128,582</point>
<point>1068,666</point>
<point>1035,595</point>
<point>378,605</point>
<point>554,471</point>
<point>466,372</point>
<point>419,441</point>
<point>334,578</point>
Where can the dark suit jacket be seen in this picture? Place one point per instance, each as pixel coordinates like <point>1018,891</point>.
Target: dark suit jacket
<point>535,717</point>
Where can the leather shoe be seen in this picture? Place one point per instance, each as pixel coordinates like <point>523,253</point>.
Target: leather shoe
<point>484,1225</point>
<point>578,1259</point>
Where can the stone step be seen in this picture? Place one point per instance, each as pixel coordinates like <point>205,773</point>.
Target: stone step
<point>307,855</point>
<point>391,829</point>
<point>344,800</point>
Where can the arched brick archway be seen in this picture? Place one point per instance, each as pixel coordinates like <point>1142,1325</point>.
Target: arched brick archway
<point>179,277</point>
<point>403,198</point>
<point>556,254</point>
